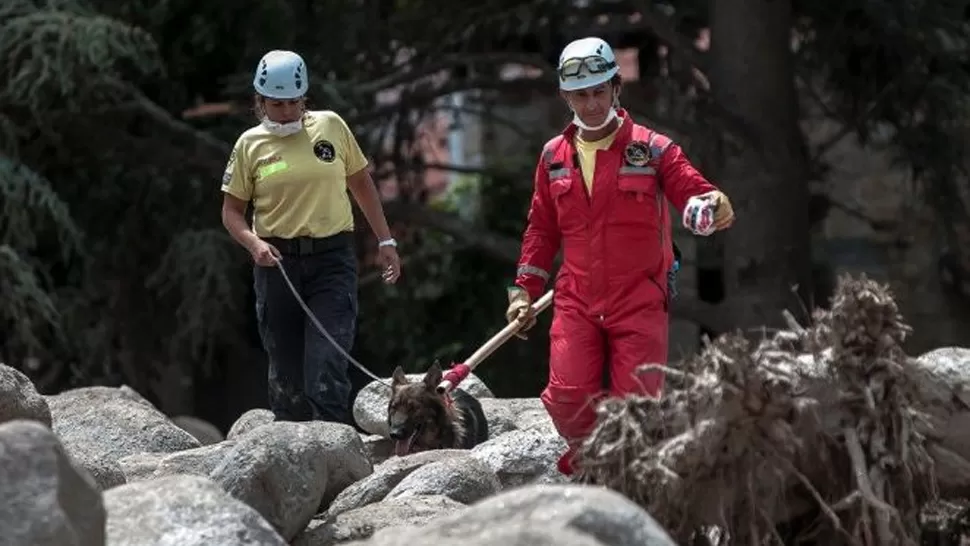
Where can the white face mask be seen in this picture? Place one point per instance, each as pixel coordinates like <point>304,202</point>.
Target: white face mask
<point>610,116</point>
<point>282,129</point>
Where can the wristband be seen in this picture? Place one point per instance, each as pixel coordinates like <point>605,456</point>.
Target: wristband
<point>388,242</point>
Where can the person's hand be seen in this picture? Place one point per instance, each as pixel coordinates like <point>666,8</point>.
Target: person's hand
<point>265,254</point>
<point>707,213</point>
<point>723,211</point>
<point>390,264</point>
<point>520,310</point>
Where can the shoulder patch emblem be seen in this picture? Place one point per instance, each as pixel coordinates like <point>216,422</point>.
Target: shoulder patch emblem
<point>324,151</point>
<point>637,153</point>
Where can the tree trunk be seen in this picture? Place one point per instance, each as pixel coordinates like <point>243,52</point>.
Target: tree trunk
<point>768,250</point>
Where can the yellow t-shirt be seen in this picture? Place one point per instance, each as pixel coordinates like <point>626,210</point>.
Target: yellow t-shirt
<point>297,183</point>
<point>587,156</point>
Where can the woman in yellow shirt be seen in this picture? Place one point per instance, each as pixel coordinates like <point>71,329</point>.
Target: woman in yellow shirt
<point>295,167</point>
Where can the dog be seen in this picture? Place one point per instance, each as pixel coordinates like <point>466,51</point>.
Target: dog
<point>420,419</point>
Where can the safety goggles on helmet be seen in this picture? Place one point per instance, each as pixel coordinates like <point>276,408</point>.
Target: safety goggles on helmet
<point>594,64</point>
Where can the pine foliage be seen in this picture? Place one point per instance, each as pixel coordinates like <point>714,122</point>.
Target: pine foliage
<point>108,256</point>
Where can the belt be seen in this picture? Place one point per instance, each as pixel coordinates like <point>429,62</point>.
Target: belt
<point>303,246</point>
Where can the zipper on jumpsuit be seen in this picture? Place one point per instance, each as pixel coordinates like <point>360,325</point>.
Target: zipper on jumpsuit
<point>662,210</point>
<point>589,195</point>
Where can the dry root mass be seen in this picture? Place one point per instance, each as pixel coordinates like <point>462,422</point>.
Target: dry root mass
<point>810,435</point>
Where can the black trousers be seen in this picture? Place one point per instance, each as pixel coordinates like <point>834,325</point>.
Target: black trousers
<point>308,377</point>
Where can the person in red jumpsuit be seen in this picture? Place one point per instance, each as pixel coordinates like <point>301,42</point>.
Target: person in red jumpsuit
<point>601,192</point>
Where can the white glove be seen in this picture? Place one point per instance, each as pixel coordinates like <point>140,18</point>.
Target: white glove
<point>699,214</point>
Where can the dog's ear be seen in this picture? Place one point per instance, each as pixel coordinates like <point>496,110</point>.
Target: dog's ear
<point>398,378</point>
<point>433,376</point>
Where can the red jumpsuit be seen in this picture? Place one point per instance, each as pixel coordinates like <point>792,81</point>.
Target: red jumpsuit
<point>610,305</point>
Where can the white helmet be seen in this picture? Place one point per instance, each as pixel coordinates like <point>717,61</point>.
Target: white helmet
<point>281,75</point>
<point>586,62</point>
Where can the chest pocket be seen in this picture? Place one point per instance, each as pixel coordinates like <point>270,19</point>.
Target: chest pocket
<point>560,187</point>
<point>637,200</point>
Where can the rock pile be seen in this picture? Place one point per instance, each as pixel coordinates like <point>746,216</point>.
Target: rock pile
<point>101,466</point>
<point>827,433</point>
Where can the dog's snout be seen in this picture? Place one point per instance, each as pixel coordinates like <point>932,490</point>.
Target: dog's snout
<point>398,424</point>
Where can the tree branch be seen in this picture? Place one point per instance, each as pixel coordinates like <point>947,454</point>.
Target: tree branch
<point>413,99</point>
<point>856,212</point>
<point>177,126</point>
<point>413,71</point>
<point>662,27</point>
<point>512,125</point>
<point>864,117</point>
<point>415,166</point>
<point>498,246</point>
<point>639,105</point>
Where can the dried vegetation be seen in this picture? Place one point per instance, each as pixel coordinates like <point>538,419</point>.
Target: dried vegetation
<point>816,434</point>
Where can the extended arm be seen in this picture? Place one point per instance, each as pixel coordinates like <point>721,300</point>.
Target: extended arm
<point>702,206</point>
